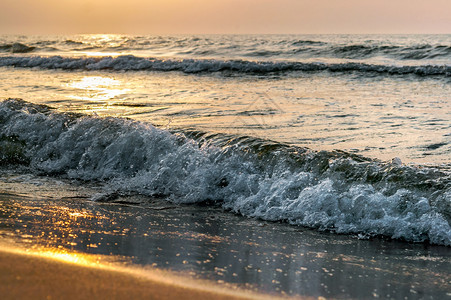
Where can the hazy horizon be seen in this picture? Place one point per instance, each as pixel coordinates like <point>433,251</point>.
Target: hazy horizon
<point>225,17</point>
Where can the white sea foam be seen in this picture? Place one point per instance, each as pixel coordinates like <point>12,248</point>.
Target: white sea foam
<point>325,190</point>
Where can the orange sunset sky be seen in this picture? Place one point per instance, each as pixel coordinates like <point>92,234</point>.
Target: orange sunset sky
<point>224,16</point>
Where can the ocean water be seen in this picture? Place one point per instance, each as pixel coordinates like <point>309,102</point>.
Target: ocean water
<point>348,134</point>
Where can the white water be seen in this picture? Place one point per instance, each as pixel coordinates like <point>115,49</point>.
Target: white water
<point>233,115</point>
<point>326,190</point>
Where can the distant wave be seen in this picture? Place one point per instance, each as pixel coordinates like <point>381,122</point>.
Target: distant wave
<point>72,42</point>
<point>133,63</point>
<point>234,46</point>
<point>307,42</point>
<point>416,52</point>
<point>328,190</point>
<point>16,48</point>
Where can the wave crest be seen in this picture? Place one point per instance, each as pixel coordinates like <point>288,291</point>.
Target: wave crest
<point>334,191</point>
<point>16,48</point>
<point>133,63</point>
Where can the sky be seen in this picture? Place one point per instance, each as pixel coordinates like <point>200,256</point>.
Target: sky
<point>224,16</point>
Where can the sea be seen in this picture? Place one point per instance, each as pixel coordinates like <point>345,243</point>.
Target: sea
<point>345,137</point>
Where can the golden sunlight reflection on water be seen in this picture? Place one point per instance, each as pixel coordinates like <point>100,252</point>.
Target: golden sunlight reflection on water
<point>103,54</point>
<point>96,88</point>
<point>106,40</point>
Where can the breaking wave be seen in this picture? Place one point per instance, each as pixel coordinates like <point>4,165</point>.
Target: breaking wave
<point>133,63</point>
<point>334,191</point>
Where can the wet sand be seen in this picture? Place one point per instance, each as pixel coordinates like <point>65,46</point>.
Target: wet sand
<point>32,276</point>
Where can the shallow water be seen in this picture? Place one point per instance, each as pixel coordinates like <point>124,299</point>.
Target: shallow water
<point>204,242</point>
<point>379,96</point>
<point>349,134</point>
<point>377,117</point>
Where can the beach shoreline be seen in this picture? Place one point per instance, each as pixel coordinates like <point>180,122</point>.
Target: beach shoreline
<point>33,275</point>
<point>142,244</point>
